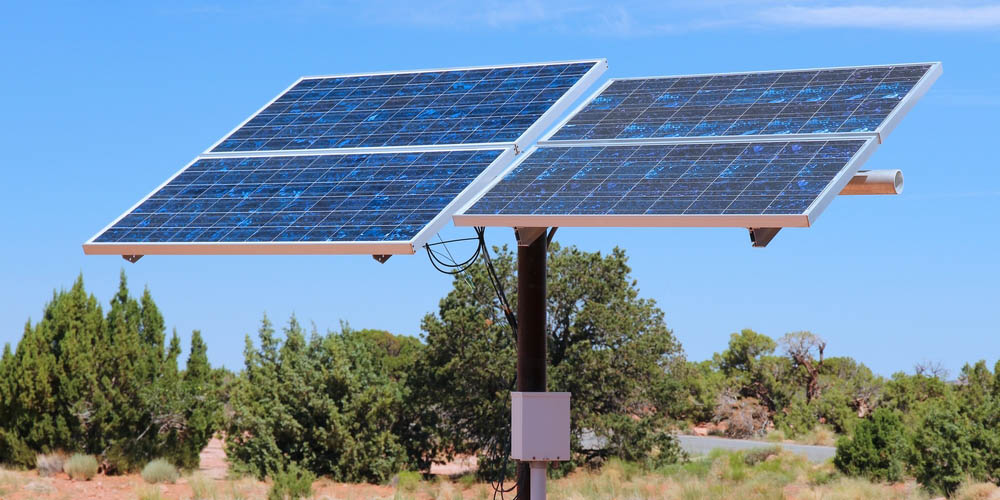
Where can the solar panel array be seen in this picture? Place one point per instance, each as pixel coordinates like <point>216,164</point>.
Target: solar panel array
<point>789,102</point>
<point>335,197</point>
<point>406,109</point>
<point>752,178</point>
<point>292,173</point>
<point>652,151</point>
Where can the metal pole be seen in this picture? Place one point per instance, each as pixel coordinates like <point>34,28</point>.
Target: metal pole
<point>531,359</point>
<point>538,480</point>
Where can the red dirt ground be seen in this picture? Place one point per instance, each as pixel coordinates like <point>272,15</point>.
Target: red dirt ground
<point>30,486</point>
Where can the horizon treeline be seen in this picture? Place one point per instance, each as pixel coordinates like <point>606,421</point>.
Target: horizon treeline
<point>364,405</point>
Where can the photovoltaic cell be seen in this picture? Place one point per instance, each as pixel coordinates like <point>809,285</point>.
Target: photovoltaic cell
<point>469,106</point>
<point>735,178</point>
<point>317,198</point>
<point>791,102</point>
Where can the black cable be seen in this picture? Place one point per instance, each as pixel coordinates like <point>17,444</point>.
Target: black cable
<point>496,448</point>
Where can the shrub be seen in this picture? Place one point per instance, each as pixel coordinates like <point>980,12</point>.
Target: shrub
<point>797,419</point>
<point>49,464</point>
<point>159,471</point>
<point>746,417</point>
<point>942,454</point>
<point>81,466</point>
<point>407,480</point>
<point>202,488</point>
<point>758,455</point>
<point>296,397</point>
<point>467,480</point>
<point>14,451</point>
<point>877,449</point>
<point>291,483</point>
<point>821,435</point>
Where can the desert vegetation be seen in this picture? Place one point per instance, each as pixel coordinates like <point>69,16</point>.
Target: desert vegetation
<point>368,406</point>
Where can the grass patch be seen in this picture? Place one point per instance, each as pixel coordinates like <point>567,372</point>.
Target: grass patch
<point>81,466</point>
<point>291,484</point>
<point>148,492</point>
<point>49,464</point>
<point>758,455</point>
<point>468,480</point>
<point>744,475</point>
<point>775,436</point>
<point>977,491</point>
<point>9,482</point>
<point>160,471</point>
<point>202,488</point>
<point>239,489</point>
<point>408,481</point>
<point>821,435</point>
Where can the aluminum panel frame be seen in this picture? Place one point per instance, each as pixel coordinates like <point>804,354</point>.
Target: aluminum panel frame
<point>888,124</point>
<point>527,137</point>
<point>805,219</point>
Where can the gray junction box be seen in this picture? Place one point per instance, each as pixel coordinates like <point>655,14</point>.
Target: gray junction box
<point>539,426</point>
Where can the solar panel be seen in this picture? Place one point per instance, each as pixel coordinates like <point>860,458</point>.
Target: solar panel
<point>818,101</point>
<point>330,203</point>
<point>350,164</point>
<point>758,150</point>
<point>738,184</point>
<point>462,106</point>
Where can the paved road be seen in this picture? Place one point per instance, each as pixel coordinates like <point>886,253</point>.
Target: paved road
<point>701,445</point>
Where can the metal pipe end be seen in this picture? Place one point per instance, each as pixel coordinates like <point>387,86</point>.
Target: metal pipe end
<point>875,182</point>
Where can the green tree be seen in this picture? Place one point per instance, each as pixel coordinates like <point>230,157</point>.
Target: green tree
<point>82,381</point>
<point>325,404</point>
<point>745,352</point>
<point>608,347</point>
<point>876,451</point>
<point>943,453</point>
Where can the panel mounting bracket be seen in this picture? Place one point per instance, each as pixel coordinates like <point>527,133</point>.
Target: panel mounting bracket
<point>761,236</point>
<point>527,235</point>
<point>381,258</point>
<point>132,258</point>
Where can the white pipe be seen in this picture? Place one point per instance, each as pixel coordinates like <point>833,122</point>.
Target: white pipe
<point>875,182</point>
<point>538,473</point>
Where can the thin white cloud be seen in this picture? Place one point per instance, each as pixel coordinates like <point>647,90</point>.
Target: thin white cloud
<point>471,14</point>
<point>886,17</point>
<point>637,18</point>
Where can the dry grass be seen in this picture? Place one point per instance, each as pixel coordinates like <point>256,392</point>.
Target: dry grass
<point>49,464</point>
<point>202,488</point>
<point>755,475</point>
<point>80,466</point>
<point>160,471</point>
<point>9,482</point>
<point>148,492</point>
<point>821,435</point>
<point>977,491</point>
<point>728,475</point>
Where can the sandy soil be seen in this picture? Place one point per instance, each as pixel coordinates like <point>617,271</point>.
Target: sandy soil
<point>28,485</point>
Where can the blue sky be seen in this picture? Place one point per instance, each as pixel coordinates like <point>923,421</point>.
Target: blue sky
<point>103,102</point>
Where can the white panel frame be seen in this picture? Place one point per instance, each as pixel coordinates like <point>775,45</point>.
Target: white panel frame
<point>92,247</point>
<point>527,137</point>
<point>888,124</point>
<point>805,219</point>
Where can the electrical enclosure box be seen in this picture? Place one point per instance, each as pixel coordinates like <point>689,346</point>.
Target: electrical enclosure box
<point>539,430</point>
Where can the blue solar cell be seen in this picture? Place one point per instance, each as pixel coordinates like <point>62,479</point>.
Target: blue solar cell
<point>792,102</point>
<point>744,178</point>
<point>407,109</point>
<point>375,197</point>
